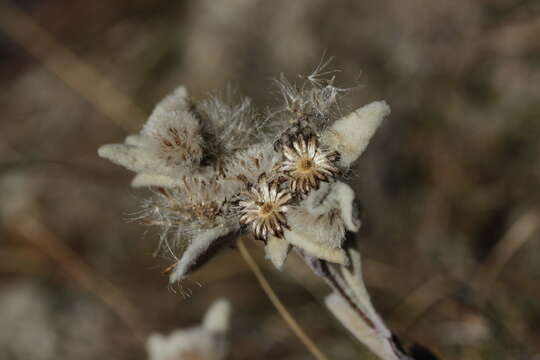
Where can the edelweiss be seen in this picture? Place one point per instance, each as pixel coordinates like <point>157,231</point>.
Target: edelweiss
<point>308,164</point>
<point>264,209</point>
<point>217,166</point>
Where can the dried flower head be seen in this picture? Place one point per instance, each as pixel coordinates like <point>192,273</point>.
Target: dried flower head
<point>264,207</point>
<point>215,165</point>
<point>307,164</point>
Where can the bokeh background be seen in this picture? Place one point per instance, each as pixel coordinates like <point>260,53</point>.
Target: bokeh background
<point>450,185</point>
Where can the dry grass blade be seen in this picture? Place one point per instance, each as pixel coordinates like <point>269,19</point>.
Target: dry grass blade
<point>78,75</point>
<point>514,238</point>
<point>36,233</point>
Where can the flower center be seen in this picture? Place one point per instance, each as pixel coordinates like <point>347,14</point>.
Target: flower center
<point>267,209</point>
<point>305,165</point>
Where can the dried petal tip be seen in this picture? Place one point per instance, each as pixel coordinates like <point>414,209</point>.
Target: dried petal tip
<point>264,208</point>
<point>351,134</point>
<point>208,341</point>
<point>307,164</point>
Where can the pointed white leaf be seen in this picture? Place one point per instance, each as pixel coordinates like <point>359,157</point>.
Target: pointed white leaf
<point>351,134</point>
<point>128,156</point>
<point>344,196</point>
<point>335,255</point>
<point>378,344</point>
<point>354,278</point>
<point>197,247</point>
<point>152,179</point>
<point>276,251</point>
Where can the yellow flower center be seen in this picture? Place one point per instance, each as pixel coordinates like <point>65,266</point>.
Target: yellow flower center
<point>267,209</point>
<point>305,165</point>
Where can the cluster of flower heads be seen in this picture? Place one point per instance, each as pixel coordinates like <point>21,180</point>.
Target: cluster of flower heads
<point>217,169</point>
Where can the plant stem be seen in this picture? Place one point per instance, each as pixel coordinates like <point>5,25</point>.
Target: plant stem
<point>280,307</point>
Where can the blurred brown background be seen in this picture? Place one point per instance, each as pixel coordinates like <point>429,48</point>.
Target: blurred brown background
<point>449,185</point>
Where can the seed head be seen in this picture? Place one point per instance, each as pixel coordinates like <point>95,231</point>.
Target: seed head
<point>264,208</point>
<point>307,164</point>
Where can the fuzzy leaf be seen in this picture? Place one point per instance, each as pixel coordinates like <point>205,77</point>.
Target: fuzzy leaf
<point>351,134</point>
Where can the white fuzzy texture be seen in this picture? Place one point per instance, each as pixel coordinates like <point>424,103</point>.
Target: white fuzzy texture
<point>207,341</point>
<point>320,236</point>
<point>378,344</point>
<point>197,247</point>
<point>276,251</point>
<point>335,255</point>
<point>377,338</point>
<point>318,224</point>
<point>172,135</point>
<point>326,230</point>
<point>351,134</point>
<point>337,195</point>
<point>355,279</point>
<point>135,140</point>
<point>153,179</point>
<point>169,144</point>
<point>344,196</point>
<point>131,157</point>
<point>250,163</point>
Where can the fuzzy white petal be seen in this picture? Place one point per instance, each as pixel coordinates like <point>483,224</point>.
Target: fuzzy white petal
<point>344,196</point>
<point>128,156</point>
<point>351,134</point>
<point>153,179</point>
<point>198,245</point>
<point>177,100</point>
<point>355,279</point>
<point>276,251</point>
<point>134,140</point>
<point>377,343</point>
<point>335,255</point>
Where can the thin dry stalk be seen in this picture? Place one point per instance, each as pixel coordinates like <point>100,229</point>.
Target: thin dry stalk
<point>280,307</point>
<point>514,238</point>
<point>70,68</point>
<point>36,233</point>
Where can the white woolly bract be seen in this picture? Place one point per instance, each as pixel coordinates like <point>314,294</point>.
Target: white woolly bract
<point>351,134</point>
<point>197,246</point>
<point>193,203</point>
<point>231,126</point>
<point>135,140</point>
<point>207,341</point>
<point>248,165</point>
<point>326,230</point>
<point>344,196</point>
<point>152,179</point>
<point>172,135</point>
<point>337,195</point>
<point>355,279</point>
<point>299,239</point>
<point>276,251</point>
<point>376,342</point>
<point>319,235</point>
<point>129,156</point>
